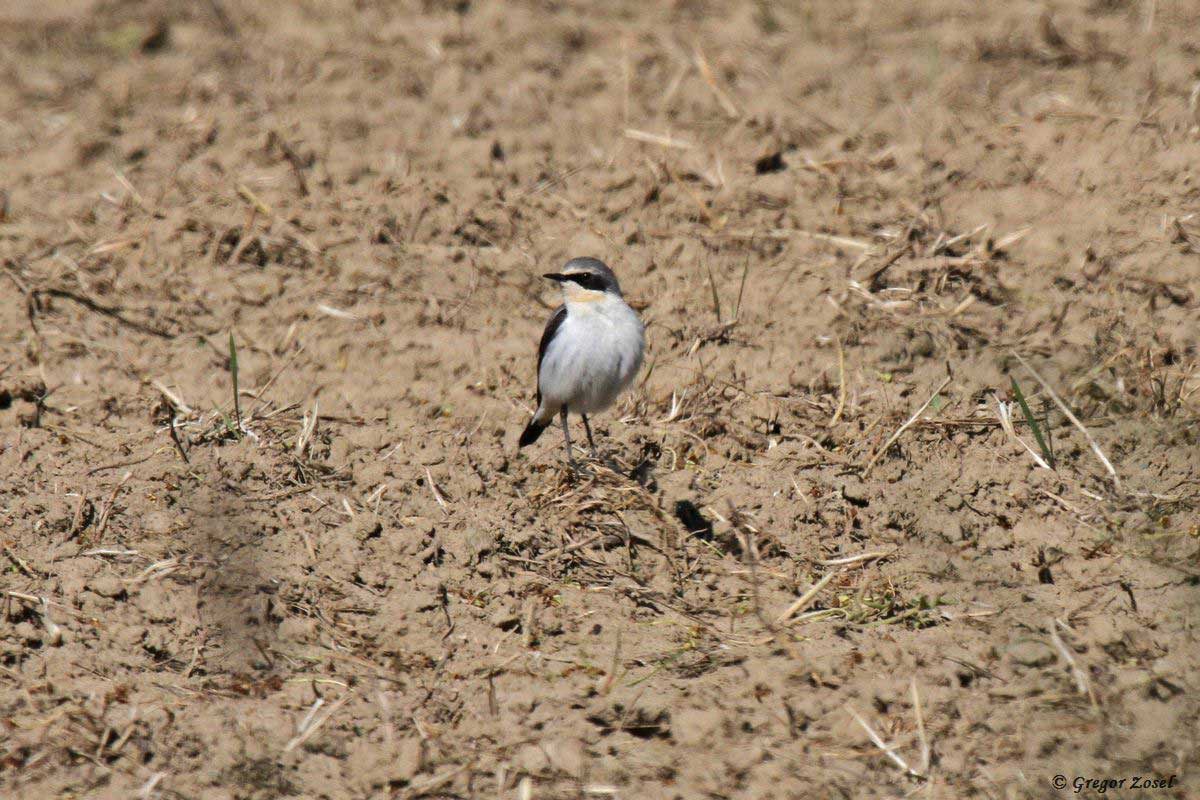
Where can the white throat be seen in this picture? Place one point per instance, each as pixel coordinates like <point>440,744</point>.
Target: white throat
<point>576,296</point>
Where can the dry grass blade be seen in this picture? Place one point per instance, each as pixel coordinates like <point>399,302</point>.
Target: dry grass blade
<point>1004,242</point>
<point>962,237</point>
<point>1112,473</point>
<point>782,234</point>
<point>877,740</point>
<point>174,399</point>
<point>106,509</point>
<point>654,138</point>
<point>429,788</point>
<point>908,423</point>
<point>709,78</point>
<point>83,510</point>
<point>311,723</point>
<point>337,313</point>
<point>256,202</point>
<point>441,501</point>
<point>606,682</point>
<point>307,427</point>
<point>41,602</point>
<point>843,241</point>
<point>1081,679</point>
<point>841,406</point>
<point>844,560</point>
<point>147,790</point>
<point>926,752</point>
<point>676,407</point>
<point>805,600</point>
<point>260,394</point>
<point>175,440</point>
<point>19,562</point>
<point>129,188</point>
<point>114,552</point>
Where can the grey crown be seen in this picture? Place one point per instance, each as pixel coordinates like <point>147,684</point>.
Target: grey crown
<point>596,267</point>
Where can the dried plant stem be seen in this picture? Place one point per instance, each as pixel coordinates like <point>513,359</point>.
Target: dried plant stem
<point>908,423</point>
<point>654,138</point>
<point>175,399</point>
<point>256,202</point>
<point>307,427</point>
<point>310,724</point>
<point>709,78</point>
<point>877,740</point>
<point>1112,473</point>
<point>803,601</point>
<point>844,560</point>
<point>926,753</point>
<point>841,406</point>
<point>106,509</point>
<point>19,562</point>
<point>177,441</point>
<point>441,501</point>
<point>785,234</point>
<point>1081,679</point>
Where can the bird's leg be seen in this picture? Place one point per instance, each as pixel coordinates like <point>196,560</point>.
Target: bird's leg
<point>567,437</point>
<point>591,441</point>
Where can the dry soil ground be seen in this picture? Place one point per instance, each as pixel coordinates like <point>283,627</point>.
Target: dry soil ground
<point>836,218</point>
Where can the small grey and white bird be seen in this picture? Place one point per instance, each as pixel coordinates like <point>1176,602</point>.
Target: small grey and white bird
<point>590,351</point>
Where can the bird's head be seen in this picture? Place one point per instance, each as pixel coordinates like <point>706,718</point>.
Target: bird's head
<point>586,280</point>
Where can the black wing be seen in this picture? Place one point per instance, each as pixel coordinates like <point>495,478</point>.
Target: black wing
<point>555,322</point>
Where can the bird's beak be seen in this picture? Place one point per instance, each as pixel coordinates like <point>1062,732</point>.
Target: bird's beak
<point>555,276</point>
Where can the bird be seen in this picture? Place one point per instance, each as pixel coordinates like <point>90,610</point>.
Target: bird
<point>590,351</point>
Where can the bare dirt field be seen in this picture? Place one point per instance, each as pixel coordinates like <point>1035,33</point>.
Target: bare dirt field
<point>826,552</point>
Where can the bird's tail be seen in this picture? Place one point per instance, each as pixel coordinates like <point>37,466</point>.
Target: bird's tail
<point>534,429</point>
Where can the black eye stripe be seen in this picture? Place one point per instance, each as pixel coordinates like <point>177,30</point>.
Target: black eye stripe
<point>587,281</point>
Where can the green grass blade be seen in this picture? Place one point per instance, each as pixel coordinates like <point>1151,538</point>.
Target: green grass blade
<point>233,370</point>
<point>737,310</point>
<point>1033,423</point>
<point>712,284</point>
